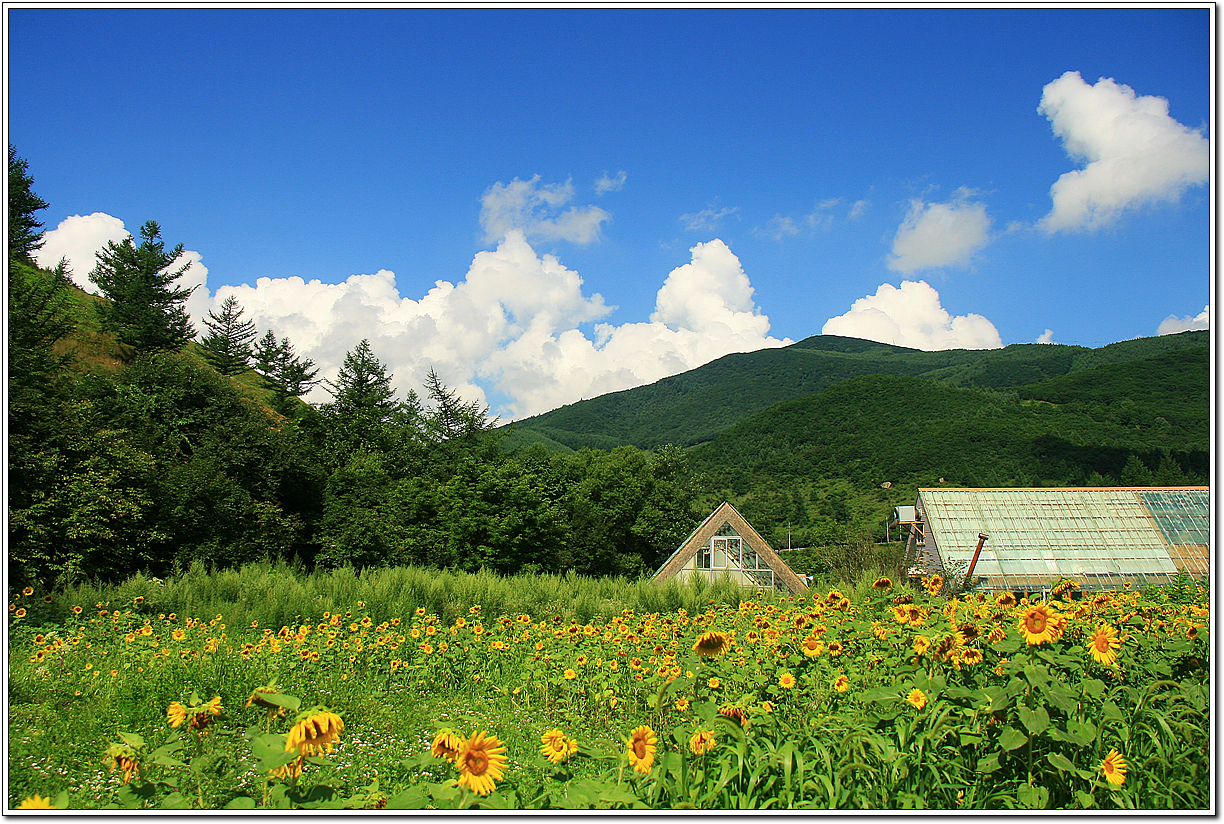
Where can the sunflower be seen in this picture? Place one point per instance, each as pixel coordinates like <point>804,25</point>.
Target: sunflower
<point>901,614</point>
<point>882,584</point>
<point>1038,624</point>
<point>835,648</point>
<point>811,646</point>
<point>972,655</point>
<point>641,749</point>
<point>996,635</point>
<point>316,730</point>
<point>841,683</point>
<point>291,770</point>
<point>1006,600</point>
<point>702,742</point>
<point>712,644</point>
<point>682,703</point>
<point>1104,644</point>
<point>786,681</point>
<point>735,713</point>
<point>446,745</point>
<point>122,757</point>
<point>1114,767</point>
<point>176,714</point>
<point>916,698</point>
<point>570,675</point>
<point>481,763</point>
<point>933,584</point>
<point>36,802</point>
<point>28,591</point>
<point>556,747</point>
<point>714,683</point>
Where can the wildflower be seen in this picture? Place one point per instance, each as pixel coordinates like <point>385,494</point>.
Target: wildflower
<point>702,742</point>
<point>36,802</point>
<point>556,747</point>
<point>446,745</point>
<point>786,681</point>
<point>641,749</point>
<point>841,683</point>
<point>916,698</point>
<point>712,644</point>
<point>882,584</point>
<point>1114,768</point>
<point>316,730</point>
<point>1038,624</point>
<point>1104,644</point>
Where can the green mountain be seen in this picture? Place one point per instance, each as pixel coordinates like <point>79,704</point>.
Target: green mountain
<point>694,407</point>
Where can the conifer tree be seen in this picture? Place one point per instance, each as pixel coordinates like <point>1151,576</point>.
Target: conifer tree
<point>363,384</point>
<point>145,312</point>
<point>283,371</point>
<point>24,232</point>
<point>228,343</point>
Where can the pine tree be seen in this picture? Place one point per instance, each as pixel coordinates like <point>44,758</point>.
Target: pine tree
<point>284,372</point>
<point>228,344</point>
<point>145,312</point>
<point>24,232</point>
<point>363,384</point>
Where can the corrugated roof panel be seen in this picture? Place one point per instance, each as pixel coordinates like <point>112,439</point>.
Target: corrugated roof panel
<point>1099,536</point>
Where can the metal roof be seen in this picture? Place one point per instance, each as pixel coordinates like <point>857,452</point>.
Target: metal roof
<point>1099,536</point>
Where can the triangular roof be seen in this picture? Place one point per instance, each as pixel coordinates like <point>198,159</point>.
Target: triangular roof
<point>700,537</point>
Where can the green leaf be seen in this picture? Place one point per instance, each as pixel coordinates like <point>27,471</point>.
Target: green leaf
<point>132,740</point>
<point>241,802</point>
<point>413,798</point>
<point>1093,687</point>
<point>988,764</point>
<point>1011,738</point>
<point>1035,721</point>
<point>175,801</point>
<point>1060,762</point>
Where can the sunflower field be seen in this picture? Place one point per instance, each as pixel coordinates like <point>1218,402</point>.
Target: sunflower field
<point>876,696</point>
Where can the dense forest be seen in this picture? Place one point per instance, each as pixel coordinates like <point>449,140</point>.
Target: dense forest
<point>137,442</point>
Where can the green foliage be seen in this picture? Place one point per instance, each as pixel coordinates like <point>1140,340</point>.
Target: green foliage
<point>24,232</point>
<point>145,311</point>
<point>227,346</point>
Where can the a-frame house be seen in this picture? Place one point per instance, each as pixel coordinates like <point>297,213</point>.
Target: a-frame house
<point>726,544</point>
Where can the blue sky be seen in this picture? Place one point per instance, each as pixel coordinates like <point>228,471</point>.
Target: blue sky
<point>547,204</point>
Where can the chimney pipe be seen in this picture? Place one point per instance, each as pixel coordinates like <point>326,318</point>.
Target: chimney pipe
<point>982,538</point>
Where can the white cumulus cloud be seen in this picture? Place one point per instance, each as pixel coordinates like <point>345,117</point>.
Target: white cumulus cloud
<point>535,210</point>
<point>936,235</point>
<point>912,316</point>
<point>509,329</point>
<point>79,238</point>
<point>1133,152</point>
<point>1173,324</point>
<point>1045,337</point>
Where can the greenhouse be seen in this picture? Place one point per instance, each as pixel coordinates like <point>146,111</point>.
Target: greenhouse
<point>1026,540</point>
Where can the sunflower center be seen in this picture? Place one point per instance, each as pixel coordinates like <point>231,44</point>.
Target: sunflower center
<point>639,748</point>
<point>1036,622</point>
<point>477,763</point>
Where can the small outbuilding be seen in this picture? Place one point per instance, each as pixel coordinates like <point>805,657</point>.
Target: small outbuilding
<point>726,544</point>
<point>1025,540</point>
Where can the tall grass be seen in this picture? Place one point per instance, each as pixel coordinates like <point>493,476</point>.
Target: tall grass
<point>281,593</point>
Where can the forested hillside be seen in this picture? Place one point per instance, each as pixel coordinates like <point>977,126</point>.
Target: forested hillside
<point>695,406</point>
<point>137,442</point>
